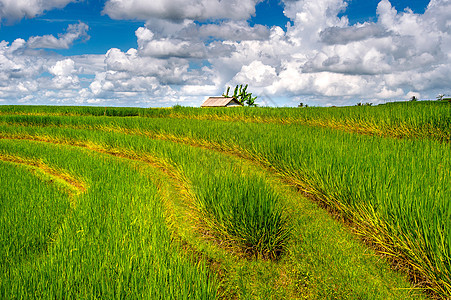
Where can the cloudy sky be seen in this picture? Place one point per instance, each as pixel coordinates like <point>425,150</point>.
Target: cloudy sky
<point>166,52</point>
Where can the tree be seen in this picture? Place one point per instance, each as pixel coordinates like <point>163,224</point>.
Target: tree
<point>413,98</point>
<point>440,97</point>
<point>241,95</point>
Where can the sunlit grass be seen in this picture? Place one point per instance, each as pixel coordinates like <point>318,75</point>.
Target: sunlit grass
<point>114,243</point>
<point>395,191</point>
<point>245,208</point>
<point>32,209</point>
<point>430,119</point>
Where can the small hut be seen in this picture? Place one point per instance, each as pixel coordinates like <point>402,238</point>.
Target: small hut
<point>221,102</point>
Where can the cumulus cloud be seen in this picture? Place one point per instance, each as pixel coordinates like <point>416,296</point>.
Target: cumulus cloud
<point>311,18</point>
<point>336,35</point>
<point>256,72</point>
<point>199,90</point>
<point>15,65</point>
<point>231,31</point>
<point>64,75</point>
<point>63,68</point>
<point>130,72</point>
<point>15,10</point>
<point>167,47</point>
<point>400,54</point>
<point>63,41</point>
<point>164,47</point>
<point>29,76</point>
<point>319,54</point>
<point>180,9</point>
<point>132,64</point>
<point>180,59</point>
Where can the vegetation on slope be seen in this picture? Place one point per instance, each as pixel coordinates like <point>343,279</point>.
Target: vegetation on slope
<point>419,119</point>
<point>395,191</point>
<point>113,244</point>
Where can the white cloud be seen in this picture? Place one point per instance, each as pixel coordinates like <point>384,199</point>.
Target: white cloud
<point>14,10</point>
<point>149,45</point>
<point>191,40</point>
<point>200,90</point>
<point>63,68</point>
<point>311,18</point>
<point>132,64</point>
<point>180,9</point>
<point>23,74</point>
<point>231,31</point>
<point>65,78</point>
<point>320,57</point>
<point>401,53</point>
<point>256,72</point>
<point>130,72</point>
<point>63,41</point>
<point>167,47</point>
<point>345,35</point>
<point>14,64</point>
<point>386,93</point>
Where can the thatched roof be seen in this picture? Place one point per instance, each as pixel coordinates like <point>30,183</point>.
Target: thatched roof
<point>221,102</point>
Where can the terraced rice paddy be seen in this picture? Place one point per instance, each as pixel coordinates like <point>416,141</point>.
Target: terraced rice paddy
<point>188,203</point>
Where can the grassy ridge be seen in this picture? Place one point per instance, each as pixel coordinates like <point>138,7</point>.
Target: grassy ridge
<point>430,119</point>
<point>221,204</point>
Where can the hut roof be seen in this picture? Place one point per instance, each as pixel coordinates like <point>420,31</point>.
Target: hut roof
<point>221,102</point>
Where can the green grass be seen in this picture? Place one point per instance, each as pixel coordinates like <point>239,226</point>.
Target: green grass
<point>245,208</point>
<point>113,244</point>
<point>258,278</point>
<point>430,119</point>
<point>394,191</point>
<point>32,208</point>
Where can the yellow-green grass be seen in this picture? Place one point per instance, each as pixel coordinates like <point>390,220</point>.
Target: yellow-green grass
<point>113,244</point>
<point>313,252</point>
<point>395,191</point>
<point>430,119</point>
<point>32,208</point>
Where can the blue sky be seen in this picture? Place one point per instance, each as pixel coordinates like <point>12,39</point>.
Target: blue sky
<point>161,53</point>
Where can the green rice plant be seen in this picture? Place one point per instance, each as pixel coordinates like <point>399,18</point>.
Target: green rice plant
<point>351,180</point>
<point>113,244</point>
<point>256,278</point>
<point>430,119</point>
<point>199,171</point>
<point>31,211</point>
<point>396,191</point>
<point>246,209</point>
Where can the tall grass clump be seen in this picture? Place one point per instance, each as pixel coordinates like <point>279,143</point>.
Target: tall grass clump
<point>246,211</point>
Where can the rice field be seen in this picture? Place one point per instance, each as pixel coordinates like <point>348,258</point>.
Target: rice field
<point>185,203</point>
<point>428,119</point>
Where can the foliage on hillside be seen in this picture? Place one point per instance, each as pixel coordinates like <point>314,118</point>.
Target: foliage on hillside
<point>196,198</point>
<point>419,119</point>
